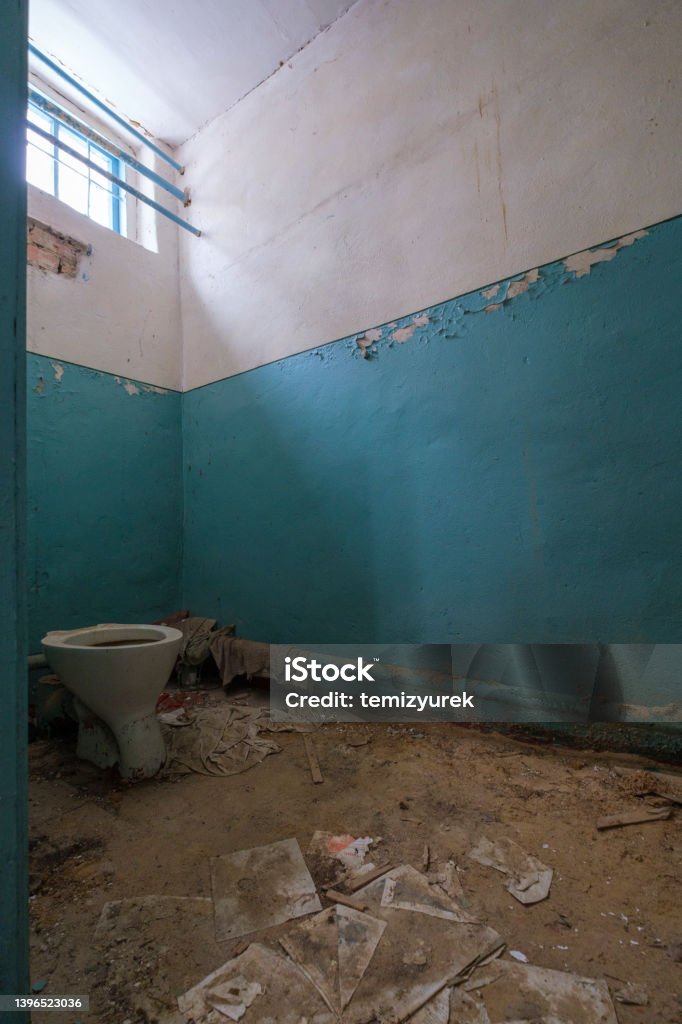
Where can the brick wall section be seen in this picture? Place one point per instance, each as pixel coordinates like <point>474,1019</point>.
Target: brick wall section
<point>52,251</point>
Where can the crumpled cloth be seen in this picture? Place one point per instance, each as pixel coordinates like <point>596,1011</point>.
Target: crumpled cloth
<point>224,739</point>
<point>196,631</point>
<point>237,657</point>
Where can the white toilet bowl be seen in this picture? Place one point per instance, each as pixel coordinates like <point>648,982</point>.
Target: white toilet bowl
<point>116,672</point>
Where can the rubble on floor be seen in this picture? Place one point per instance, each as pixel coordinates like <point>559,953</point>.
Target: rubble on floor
<point>258,934</point>
<point>223,739</point>
<point>529,879</point>
<point>258,888</point>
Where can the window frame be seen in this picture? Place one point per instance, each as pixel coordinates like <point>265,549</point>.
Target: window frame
<point>118,202</point>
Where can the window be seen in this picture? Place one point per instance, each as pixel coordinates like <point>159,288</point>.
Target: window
<point>62,175</point>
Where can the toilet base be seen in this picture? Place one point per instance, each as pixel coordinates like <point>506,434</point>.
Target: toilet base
<point>96,741</point>
<point>136,747</point>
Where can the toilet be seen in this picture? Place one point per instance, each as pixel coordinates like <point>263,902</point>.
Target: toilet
<point>116,673</point>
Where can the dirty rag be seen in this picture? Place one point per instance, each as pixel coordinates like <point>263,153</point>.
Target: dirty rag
<point>224,739</point>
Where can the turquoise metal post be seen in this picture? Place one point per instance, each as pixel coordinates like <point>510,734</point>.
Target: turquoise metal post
<point>13,673</point>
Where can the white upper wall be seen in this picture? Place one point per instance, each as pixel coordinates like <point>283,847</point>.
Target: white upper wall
<point>174,67</point>
<point>416,151</point>
<point>121,314</point>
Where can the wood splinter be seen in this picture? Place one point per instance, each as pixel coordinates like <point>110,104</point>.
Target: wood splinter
<point>312,759</point>
<point>346,901</point>
<point>363,878</point>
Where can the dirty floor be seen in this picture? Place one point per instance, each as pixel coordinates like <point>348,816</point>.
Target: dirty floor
<point>614,909</point>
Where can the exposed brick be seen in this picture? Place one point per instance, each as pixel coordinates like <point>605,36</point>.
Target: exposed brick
<point>52,251</point>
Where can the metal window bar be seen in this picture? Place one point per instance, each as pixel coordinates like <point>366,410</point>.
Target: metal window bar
<point>103,106</point>
<point>99,142</point>
<point>113,178</point>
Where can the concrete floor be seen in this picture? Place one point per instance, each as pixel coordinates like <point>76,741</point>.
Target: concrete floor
<point>614,910</point>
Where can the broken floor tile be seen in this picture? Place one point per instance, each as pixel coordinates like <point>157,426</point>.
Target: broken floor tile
<point>258,888</point>
<point>418,956</point>
<point>407,889</point>
<point>529,879</point>
<point>504,992</point>
<point>258,985</point>
<point>334,950</point>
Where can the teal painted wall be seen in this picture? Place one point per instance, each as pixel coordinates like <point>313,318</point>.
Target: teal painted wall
<point>503,476</point>
<point>13,721</point>
<point>104,498</point>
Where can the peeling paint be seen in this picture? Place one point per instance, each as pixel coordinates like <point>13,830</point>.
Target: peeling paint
<point>40,386</point>
<point>130,387</point>
<point>447,319</point>
<point>581,263</point>
<point>523,284</point>
<point>514,288</point>
<point>490,293</point>
<point>151,388</point>
<point>58,371</point>
<point>369,338</point>
<point>404,334</point>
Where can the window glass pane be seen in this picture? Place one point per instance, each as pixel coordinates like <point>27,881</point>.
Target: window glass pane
<point>36,116</point>
<point>101,159</point>
<point>100,180</point>
<point>72,188</point>
<point>100,205</point>
<point>40,168</point>
<point>74,142</point>
<point>47,125</point>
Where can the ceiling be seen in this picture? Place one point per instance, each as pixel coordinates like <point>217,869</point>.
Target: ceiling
<point>174,66</point>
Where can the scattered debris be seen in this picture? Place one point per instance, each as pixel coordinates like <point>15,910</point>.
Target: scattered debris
<point>407,889</point>
<point>643,783</point>
<point>362,877</point>
<point>351,852</point>
<point>436,1011</point>
<point>220,740</point>
<point>633,817</point>
<point>448,880</point>
<point>674,949</point>
<point>426,857</point>
<point>177,700</point>
<point>334,949</point>
<point>287,997</point>
<point>315,772</point>
<point>505,992</point>
<point>346,901</point>
<point>632,995</point>
<point>391,990</point>
<point>259,888</point>
<point>518,955</point>
<point>529,879</point>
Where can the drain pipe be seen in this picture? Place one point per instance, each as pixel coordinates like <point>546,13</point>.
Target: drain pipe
<point>37,661</point>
